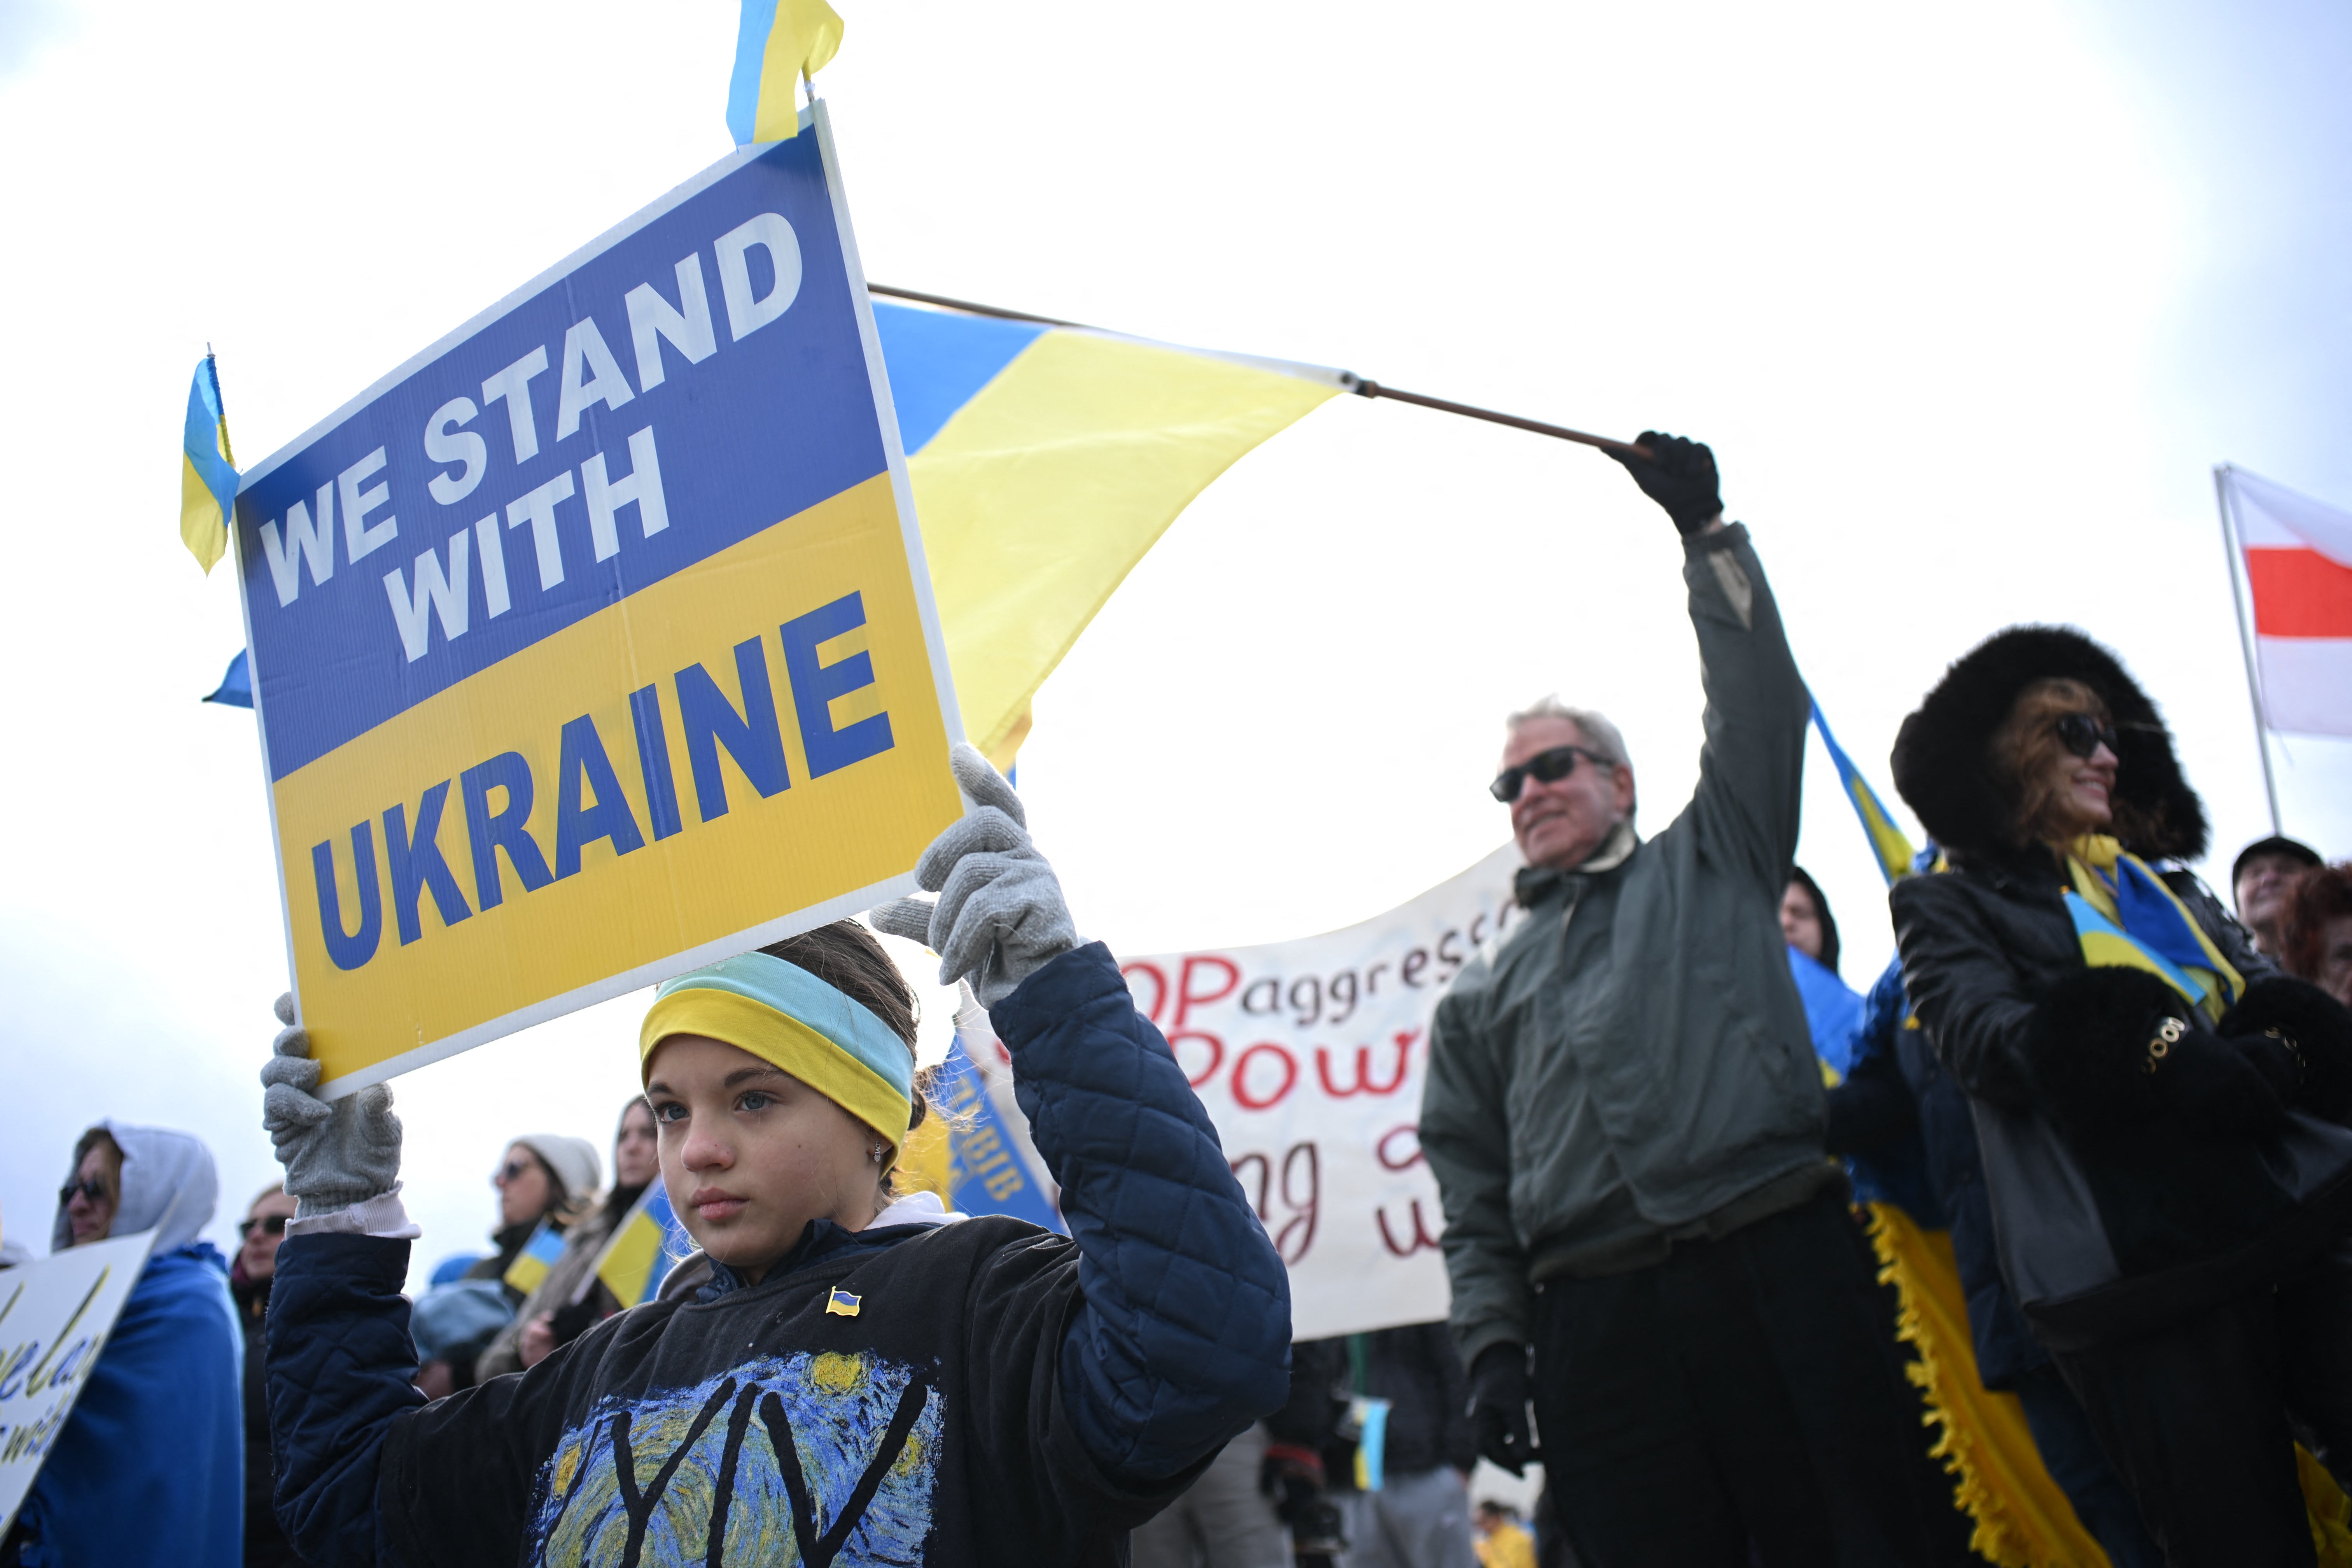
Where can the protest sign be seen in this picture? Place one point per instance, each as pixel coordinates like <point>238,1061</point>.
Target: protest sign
<point>595,642</point>
<point>1310,1057</point>
<point>55,1316</point>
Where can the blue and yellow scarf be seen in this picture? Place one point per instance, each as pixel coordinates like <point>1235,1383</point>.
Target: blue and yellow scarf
<point>2127,918</point>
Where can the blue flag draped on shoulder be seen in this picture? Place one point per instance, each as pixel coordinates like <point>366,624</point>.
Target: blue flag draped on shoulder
<point>644,1249</point>
<point>208,471</point>
<point>1887,842</point>
<point>778,43</point>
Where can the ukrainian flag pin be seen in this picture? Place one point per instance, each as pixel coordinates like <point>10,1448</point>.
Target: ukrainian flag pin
<point>842,1304</point>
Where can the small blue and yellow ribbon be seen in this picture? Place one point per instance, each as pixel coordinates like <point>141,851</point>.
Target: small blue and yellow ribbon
<point>207,470</point>
<point>779,44</point>
<point>538,1256</point>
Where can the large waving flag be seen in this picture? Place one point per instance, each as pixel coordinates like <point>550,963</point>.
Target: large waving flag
<point>1887,842</point>
<point>207,470</point>
<point>1047,459</point>
<point>2297,557</point>
<point>777,44</point>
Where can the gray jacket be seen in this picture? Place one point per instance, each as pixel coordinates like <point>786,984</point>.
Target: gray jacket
<point>1631,1065</point>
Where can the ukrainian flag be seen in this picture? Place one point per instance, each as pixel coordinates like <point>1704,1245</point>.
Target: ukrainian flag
<point>777,43</point>
<point>207,470</point>
<point>1045,461</point>
<point>644,1249</point>
<point>1887,841</point>
<point>539,1255</point>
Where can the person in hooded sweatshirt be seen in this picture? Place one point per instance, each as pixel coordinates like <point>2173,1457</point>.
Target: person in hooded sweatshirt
<point>863,1379</point>
<point>2161,1114</point>
<point>150,1466</point>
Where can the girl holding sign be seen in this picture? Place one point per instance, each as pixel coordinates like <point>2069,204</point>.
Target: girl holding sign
<point>862,1378</point>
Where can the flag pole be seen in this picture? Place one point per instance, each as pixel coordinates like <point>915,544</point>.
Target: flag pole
<point>2245,638</point>
<point>1362,386</point>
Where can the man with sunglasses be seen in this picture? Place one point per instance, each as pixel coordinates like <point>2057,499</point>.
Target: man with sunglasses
<point>1645,1238</point>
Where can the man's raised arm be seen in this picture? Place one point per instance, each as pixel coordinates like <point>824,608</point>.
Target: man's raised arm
<point>1752,766</point>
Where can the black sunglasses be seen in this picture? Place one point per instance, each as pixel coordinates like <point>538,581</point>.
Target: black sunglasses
<point>1544,767</point>
<point>513,1170</point>
<point>2082,735</point>
<point>270,1224</point>
<point>90,1187</point>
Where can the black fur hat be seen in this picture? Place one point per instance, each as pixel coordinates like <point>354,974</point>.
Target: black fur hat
<point>1943,754</point>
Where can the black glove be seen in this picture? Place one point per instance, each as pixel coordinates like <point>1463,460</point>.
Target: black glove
<point>1292,1477</point>
<point>1680,476</point>
<point>1499,1406</point>
<point>2214,1086</point>
<point>2276,1061</point>
<point>2280,1017</point>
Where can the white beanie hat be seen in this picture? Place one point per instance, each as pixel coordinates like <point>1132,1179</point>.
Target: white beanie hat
<point>574,1160</point>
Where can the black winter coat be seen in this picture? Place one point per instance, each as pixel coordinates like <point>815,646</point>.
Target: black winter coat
<point>2121,1236</point>
<point>265,1544</point>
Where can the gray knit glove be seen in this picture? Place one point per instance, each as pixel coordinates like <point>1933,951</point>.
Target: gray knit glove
<point>335,1153</point>
<point>1000,917</point>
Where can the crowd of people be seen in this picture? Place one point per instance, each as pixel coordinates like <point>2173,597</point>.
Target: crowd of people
<point>1657,1115</point>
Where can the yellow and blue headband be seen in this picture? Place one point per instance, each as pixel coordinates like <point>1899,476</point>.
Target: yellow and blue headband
<point>789,1018</point>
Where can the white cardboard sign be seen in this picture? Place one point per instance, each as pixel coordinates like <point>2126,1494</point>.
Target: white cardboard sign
<point>55,1316</point>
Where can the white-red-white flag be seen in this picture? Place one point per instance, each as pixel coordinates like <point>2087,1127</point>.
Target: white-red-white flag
<point>2298,562</point>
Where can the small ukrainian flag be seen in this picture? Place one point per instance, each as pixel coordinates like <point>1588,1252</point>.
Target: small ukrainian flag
<point>644,1249</point>
<point>779,43</point>
<point>207,470</point>
<point>539,1255</point>
<point>840,1304</point>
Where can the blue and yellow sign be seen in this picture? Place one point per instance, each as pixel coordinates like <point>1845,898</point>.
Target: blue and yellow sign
<point>595,643</point>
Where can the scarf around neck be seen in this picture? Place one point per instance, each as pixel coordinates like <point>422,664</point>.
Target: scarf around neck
<point>2126,918</point>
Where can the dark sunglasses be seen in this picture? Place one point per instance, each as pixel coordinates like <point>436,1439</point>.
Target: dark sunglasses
<point>2082,734</point>
<point>513,1170</point>
<point>1544,767</point>
<point>90,1187</point>
<point>269,1224</point>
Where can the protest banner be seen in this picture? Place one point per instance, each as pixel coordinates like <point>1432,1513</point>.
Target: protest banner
<point>55,1316</point>
<point>1310,1057</point>
<point>595,642</point>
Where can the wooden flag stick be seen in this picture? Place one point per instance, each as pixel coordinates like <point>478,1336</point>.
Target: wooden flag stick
<point>1362,386</point>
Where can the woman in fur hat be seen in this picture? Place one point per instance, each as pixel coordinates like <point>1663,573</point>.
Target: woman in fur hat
<point>2161,1112</point>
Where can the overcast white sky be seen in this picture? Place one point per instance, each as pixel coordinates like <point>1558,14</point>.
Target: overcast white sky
<point>1969,303</point>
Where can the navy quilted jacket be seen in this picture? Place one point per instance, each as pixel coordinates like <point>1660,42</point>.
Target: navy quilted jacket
<point>1040,1394</point>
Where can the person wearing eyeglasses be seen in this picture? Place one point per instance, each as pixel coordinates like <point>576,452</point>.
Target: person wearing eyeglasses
<point>569,1300</point>
<point>543,1176</point>
<point>258,1234</point>
<point>149,1468</point>
<point>1645,1235</point>
<point>2162,1115</point>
